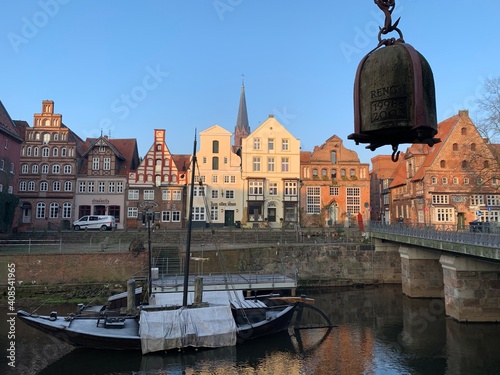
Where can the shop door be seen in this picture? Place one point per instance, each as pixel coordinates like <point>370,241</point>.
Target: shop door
<point>228,218</point>
<point>271,215</point>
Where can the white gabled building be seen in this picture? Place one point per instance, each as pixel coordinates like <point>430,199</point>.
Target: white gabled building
<point>218,199</point>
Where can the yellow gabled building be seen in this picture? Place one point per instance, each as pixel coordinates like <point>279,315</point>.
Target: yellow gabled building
<point>271,174</point>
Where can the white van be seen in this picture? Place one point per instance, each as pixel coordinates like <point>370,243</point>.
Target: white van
<point>102,222</point>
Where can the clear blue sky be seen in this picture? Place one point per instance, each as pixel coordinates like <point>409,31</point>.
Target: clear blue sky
<point>128,67</point>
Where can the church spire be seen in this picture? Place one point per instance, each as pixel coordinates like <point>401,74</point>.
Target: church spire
<point>242,128</point>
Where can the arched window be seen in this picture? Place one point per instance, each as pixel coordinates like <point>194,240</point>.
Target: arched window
<point>68,186</point>
<point>45,152</point>
<point>54,210</point>
<point>486,164</point>
<point>455,146</point>
<point>464,164</point>
<point>56,169</point>
<point>434,180</point>
<point>464,131</point>
<point>215,163</point>
<point>44,186</point>
<point>56,186</point>
<point>66,214</point>
<point>442,163</point>
<point>24,168</point>
<point>215,147</point>
<point>31,186</point>
<point>473,147</point>
<point>55,151</point>
<point>445,180</point>
<point>22,186</point>
<point>352,173</point>
<point>67,169</point>
<point>45,168</point>
<point>35,151</point>
<point>34,168</point>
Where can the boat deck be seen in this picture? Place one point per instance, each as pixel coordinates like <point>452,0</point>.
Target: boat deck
<point>249,282</point>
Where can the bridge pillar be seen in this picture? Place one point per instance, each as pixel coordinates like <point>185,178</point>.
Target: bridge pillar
<point>471,289</point>
<point>421,273</point>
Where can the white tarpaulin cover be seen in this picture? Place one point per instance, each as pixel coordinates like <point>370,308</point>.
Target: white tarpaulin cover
<point>209,327</point>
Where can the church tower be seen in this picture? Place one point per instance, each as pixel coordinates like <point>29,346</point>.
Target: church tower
<point>242,129</point>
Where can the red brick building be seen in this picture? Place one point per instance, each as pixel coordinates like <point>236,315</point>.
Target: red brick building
<point>450,184</point>
<point>335,185</point>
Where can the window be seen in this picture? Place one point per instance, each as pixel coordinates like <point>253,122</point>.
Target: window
<point>486,164</point>
<point>45,152</point>
<point>333,157</point>
<point>111,187</point>
<point>342,172</point>
<point>106,164</point>
<point>270,144</point>
<point>215,194</point>
<point>284,164</point>
<point>473,147</point>
<point>102,187</point>
<point>230,194</point>
<point>40,210</point>
<point>2,164</point>
<point>45,169</point>
<point>284,144</point>
<point>204,160</point>
<point>56,186</point>
<point>199,191</point>
<point>63,151</point>
<point>149,195</point>
<point>176,196</point>
<point>444,180</point>
<point>34,168</point>
<point>215,163</point>
<point>434,180</point>
<point>11,170</point>
<point>198,213</point>
<point>28,151</point>
<point>55,151</point>
<point>68,186</point>
<point>95,164</point>
<point>464,131</point>
<point>323,173</point>
<point>464,164</point>
<point>133,212</point>
<point>334,191</point>
<point>466,181</point>
<point>315,173</point>
<point>56,137</point>
<point>256,164</point>
<point>455,147</point>
<point>214,212</point>
<point>493,200</point>
<point>353,200</point>
<point>215,178</point>
<point>455,181</point>
<point>445,214</point>
<point>102,149</point>
<point>273,188</point>
<point>352,173</point>
<point>256,143</point>
<point>31,186</point>
<point>115,211</point>
<point>442,164</point>
<point>256,188</point>
<point>476,200</point>
<point>54,210</point>
<point>225,160</point>
<point>46,138</point>
<point>290,188</point>
<point>44,186</point>
<point>22,186</point>
<point>440,199</point>
<point>66,214</point>
<point>56,169</point>
<point>119,187</point>
<point>133,195</point>
<point>215,147</point>
<point>24,168</point>
<point>81,187</point>
<point>270,164</point>
<point>166,195</point>
<point>67,169</point>
<point>313,200</point>
<point>176,216</point>
<point>165,216</point>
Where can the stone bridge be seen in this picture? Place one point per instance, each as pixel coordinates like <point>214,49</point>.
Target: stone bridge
<point>463,267</point>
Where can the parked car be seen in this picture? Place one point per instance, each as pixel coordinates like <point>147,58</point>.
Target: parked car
<point>102,222</point>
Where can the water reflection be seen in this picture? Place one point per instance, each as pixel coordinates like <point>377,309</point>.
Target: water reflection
<point>378,331</point>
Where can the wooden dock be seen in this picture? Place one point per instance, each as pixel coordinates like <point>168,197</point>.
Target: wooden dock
<point>250,283</point>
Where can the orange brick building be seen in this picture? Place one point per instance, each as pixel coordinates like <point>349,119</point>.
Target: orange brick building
<point>335,185</point>
<point>450,184</point>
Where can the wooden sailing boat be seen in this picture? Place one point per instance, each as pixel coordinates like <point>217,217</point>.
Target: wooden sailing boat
<point>160,328</point>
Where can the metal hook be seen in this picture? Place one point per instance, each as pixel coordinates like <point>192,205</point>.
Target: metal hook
<point>395,153</point>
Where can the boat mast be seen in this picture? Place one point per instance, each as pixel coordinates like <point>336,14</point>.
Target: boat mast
<point>190,221</point>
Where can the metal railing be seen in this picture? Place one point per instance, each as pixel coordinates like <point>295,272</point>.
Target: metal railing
<point>470,235</point>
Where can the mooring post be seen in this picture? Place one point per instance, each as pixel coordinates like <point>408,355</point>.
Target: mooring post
<point>198,290</point>
<point>130,295</point>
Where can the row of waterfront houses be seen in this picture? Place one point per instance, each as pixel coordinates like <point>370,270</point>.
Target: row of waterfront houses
<point>50,177</point>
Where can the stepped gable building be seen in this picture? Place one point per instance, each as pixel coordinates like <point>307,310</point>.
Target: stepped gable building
<point>450,184</point>
<point>101,182</point>
<point>10,151</point>
<point>159,185</point>
<point>218,199</point>
<point>335,185</point>
<point>50,158</point>
<point>381,177</point>
<point>271,174</point>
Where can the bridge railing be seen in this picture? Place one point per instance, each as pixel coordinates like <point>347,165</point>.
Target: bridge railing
<point>471,235</point>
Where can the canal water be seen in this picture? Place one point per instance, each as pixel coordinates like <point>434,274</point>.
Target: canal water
<point>377,331</point>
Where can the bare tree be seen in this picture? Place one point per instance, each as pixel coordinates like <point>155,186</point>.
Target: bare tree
<point>489,108</point>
